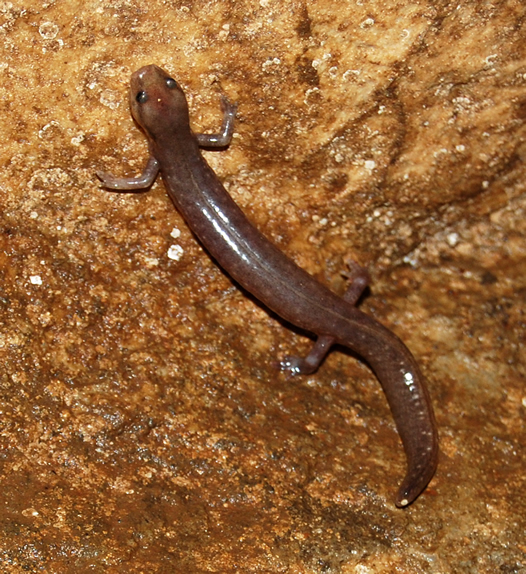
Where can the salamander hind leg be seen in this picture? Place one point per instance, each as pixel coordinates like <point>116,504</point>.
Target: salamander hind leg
<point>307,365</point>
<point>358,278</point>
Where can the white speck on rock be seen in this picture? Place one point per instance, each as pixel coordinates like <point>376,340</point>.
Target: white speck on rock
<point>452,239</point>
<point>48,30</point>
<point>175,252</point>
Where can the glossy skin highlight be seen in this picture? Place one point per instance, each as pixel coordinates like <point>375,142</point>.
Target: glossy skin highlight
<point>159,106</point>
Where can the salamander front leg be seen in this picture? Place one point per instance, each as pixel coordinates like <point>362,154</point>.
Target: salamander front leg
<point>359,279</point>
<point>222,139</point>
<point>146,178</point>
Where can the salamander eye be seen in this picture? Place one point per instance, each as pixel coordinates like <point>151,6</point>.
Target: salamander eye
<point>141,97</point>
<point>171,83</point>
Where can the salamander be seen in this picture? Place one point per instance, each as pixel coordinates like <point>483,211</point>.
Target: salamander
<point>159,106</point>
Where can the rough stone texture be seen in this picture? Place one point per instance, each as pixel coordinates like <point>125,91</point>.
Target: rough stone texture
<point>144,426</point>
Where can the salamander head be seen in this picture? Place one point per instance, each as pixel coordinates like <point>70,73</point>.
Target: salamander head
<point>157,102</point>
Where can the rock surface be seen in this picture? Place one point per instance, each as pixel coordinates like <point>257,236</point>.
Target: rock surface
<point>144,426</point>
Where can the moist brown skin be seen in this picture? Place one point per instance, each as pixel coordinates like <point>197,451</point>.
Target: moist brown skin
<point>159,106</point>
